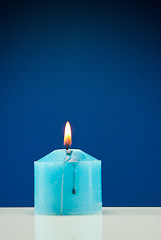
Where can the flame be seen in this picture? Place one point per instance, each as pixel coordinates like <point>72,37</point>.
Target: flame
<point>67,134</point>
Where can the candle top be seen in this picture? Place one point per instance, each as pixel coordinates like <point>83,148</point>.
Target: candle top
<point>61,155</point>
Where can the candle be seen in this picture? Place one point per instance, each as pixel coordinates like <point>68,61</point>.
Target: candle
<point>67,182</point>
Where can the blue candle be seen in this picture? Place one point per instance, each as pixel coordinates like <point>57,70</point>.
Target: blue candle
<point>67,182</point>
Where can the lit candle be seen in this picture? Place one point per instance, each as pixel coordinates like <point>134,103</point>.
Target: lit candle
<point>67,182</point>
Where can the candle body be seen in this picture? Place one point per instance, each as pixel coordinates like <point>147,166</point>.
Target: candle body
<point>67,184</point>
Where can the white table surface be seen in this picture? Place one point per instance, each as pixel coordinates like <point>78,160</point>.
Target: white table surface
<point>114,223</point>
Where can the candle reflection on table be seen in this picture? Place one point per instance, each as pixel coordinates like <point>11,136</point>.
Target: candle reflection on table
<point>87,227</point>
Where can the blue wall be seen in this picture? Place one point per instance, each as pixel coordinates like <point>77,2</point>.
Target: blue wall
<point>97,65</point>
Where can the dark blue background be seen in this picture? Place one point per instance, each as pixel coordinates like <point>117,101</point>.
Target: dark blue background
<point>97,65</point>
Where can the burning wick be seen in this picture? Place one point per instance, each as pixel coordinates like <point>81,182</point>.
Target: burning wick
<point>67,146</point>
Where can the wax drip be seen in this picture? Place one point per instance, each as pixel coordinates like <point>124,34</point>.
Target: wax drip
<point>68,159</point>
<point>74,179</point>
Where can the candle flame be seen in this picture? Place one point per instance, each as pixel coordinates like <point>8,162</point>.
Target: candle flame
<point>67,134</point>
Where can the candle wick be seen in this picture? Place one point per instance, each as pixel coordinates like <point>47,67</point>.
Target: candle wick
<point>67,146</point>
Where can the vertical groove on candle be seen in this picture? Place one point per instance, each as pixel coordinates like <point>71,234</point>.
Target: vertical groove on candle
<point>62,187</point>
